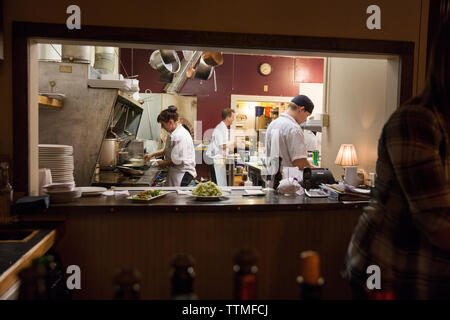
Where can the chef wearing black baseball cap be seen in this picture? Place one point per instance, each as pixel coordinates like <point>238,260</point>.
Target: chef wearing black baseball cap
<point>284,136</point>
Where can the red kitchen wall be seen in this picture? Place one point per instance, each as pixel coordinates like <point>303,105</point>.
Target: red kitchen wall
<point>237,75</point>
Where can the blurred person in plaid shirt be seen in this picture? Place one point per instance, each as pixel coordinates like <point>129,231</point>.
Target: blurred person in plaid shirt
<point>405,230</point>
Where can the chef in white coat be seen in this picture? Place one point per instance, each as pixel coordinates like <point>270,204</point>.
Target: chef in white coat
<point>180,153</point>
<point>217,149</point>
<point>284,136</point>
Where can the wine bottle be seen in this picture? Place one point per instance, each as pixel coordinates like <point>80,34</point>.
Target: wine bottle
<point>245,274</point>
<point>182,275</point>
<point>310,281</point>
<point>33,282</point>
<point>128,285</point>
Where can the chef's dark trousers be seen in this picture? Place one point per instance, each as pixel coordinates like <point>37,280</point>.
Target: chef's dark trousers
<point>213,173</point>
<point>187,178</point>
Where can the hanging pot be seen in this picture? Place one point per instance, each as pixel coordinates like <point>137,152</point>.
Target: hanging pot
<point>165,60</point>
<point>203,71</point>
<point>166,77</point>
<point>169,56</point>
<point>213,58</point>
<point>108,154</point>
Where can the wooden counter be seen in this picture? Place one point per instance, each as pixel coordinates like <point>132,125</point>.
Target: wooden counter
<point>105,234</point>
<point>17,255</point>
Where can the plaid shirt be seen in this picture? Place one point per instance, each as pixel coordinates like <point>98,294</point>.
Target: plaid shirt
<point>411,201</point>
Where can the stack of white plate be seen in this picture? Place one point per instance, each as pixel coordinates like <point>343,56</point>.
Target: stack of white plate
<point>64,196</point>
<point>59,159</point>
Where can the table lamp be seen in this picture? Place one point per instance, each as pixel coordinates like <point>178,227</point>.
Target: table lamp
<point>347,158</point>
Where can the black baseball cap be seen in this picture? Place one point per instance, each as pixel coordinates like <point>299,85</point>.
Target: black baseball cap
<point>303,101</point>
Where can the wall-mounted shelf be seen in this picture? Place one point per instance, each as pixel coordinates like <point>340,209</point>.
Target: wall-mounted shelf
<point>49,101</point>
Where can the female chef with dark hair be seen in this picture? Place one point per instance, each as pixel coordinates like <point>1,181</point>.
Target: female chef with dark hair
<point>181,151</point>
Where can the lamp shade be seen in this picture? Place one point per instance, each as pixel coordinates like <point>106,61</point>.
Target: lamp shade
<point>347,156</point>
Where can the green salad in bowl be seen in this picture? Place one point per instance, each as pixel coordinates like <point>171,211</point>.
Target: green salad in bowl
<point>207,189</point>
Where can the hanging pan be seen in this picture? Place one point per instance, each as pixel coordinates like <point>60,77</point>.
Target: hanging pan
<point>165,61</point>
<point>203,71</point>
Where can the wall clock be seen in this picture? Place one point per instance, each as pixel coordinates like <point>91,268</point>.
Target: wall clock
<point>265,69</point>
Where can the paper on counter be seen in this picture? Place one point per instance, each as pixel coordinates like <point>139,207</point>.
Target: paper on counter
<point>292,172</point>
<point>116,193</point>
<point>253,192</point>
<point>121,193</point>
<point>184,192</point>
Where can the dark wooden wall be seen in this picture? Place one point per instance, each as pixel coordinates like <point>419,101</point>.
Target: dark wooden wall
<point>101,242</point>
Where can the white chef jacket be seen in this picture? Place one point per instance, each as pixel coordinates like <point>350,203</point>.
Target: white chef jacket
<point>218,139</point>
<point>216,153</point>
<point>285,139</point>
<point>182,154</point>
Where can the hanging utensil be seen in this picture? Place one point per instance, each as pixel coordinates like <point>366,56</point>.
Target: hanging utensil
<point>147,107</point>
<point>126,120</point>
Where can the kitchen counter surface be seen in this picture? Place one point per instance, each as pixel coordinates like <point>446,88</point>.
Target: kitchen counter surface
<point>235,200</point>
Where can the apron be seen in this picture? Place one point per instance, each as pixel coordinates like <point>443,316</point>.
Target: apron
<point>221,172</point>
<point>174,177</point>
